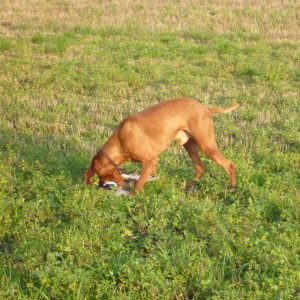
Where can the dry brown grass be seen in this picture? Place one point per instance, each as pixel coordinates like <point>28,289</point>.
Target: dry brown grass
<point>273,19</point>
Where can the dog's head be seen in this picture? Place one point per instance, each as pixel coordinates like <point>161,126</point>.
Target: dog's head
<point>112,176</point>
<point>105,171</point>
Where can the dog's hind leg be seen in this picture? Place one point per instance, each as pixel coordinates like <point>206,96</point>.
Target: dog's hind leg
<point>205,139</point>
<point>192,149</point>
<point>215,155</point>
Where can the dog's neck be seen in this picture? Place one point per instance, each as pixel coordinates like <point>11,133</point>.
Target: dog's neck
<point>112,152</point>
<point>111,161</point>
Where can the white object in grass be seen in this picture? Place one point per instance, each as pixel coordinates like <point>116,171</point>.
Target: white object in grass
<point>136,176</point>
<point>109,185</point>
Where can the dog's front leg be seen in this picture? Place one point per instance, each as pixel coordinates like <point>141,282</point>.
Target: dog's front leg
<point>149,168</point>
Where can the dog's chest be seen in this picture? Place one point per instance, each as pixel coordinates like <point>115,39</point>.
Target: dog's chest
<point>182,136</point>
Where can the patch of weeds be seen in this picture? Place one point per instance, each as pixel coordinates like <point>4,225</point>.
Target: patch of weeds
<point>84,30</point>
<point>54,44</point>
<point>273,212</point>
<point>5,44</point>
<point>224,46</point>
<point>258,179</point>
<point>200,37</point>
<point>168,38</point>
<point>250,71</point>
<point>115,31</point>
<point>248,37</point>
<point>38,38</point>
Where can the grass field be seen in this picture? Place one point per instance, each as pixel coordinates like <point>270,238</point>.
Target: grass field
<point>70,71</point>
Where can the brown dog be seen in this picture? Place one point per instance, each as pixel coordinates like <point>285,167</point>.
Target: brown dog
<point>142,137</point>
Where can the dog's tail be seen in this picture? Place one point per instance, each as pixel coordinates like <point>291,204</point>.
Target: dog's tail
<point>89,174</point>
<point>221,110</point>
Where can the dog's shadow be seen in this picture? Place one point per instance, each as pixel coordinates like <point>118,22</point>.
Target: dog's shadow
<point>56,155</point>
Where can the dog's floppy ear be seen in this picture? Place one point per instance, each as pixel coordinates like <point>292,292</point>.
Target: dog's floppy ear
<point>89,174</point>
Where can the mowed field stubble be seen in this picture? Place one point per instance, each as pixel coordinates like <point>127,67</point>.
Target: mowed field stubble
<point>70,71</point>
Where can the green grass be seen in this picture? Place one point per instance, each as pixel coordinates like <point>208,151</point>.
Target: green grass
<point>62,93</point>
